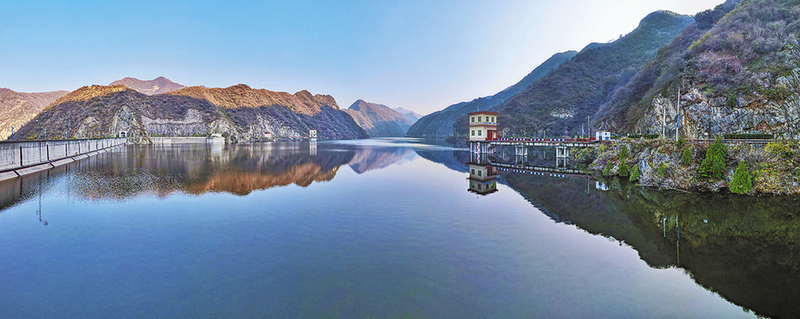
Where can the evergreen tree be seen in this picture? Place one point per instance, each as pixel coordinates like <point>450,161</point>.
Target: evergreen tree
<point>607,170</point>
<point>742,181</point>
<point>623,155</point>
<point>681,142</point>
<point>687,156</point>
<point>634,173</point>
<point>662,170</point>
<point>623,167</point>
<point>713,166</point>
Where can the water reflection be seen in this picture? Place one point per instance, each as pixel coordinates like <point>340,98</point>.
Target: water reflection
<point>746,249</point>
<point>482,175</point>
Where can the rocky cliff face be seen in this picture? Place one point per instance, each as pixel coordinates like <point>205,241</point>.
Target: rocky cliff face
<point>442,123</point>
<point>18,108</point>
<point>773,168</point>
<point>737,70</point>
<point>156,86</point>
<point>378,120</point>
<point>239,113</point>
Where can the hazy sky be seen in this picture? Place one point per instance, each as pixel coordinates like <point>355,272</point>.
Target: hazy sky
<point>421,55</point>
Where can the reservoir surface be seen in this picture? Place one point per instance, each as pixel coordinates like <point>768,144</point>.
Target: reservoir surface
<point>380,228</point>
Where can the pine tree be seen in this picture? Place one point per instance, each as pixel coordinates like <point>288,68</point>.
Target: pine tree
<point>623,155</point>
<point>681,142</point>
<point>634,173</point>
<point>714,163</point>
<point>623,168</point>
<point>742,181</point>
<point>687,156</point>
<point>607,170</point>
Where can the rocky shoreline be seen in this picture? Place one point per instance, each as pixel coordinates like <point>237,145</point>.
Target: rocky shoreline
<point>773,166</point>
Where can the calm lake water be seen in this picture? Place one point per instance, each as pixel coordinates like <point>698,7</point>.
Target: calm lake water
<point>380,228</point>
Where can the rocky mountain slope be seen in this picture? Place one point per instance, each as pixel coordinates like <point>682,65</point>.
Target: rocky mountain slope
<point>442,123</point>
<point>378,120</point>
<point>560,102</point>
<point>239,113</point>
<point>18,108</point>
<point>627,106</point>
<point>740,76</point>
<point>411,116</point>
<point>156,86</point>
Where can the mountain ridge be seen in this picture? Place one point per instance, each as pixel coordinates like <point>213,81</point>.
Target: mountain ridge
<point>18,108</point>
<point>93,111</point>
<point>378,120</point>
<point>152,87</point>
<point>446,121</point>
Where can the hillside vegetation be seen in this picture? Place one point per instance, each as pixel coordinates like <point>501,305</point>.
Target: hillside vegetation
<point>445,122</point>
<point>560,102</point>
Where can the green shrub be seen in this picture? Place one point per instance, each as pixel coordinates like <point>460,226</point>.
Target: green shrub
<point>780,149</point>
<point>634,173</point>
<point>662,170</point>
<point>713,166</point>
<point>623,168</point>
<point>687,156</point>
<point>607,170</point>
<point>681,142</point>
<point>742,181</point>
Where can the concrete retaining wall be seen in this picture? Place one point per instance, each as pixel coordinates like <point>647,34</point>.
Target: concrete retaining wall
<point>186,140</point>
<point>25,157</point>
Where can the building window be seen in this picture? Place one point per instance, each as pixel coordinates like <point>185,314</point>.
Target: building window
<point>479,118</point>
<point>492,119</point>
<point>473,119</point>
<point>473,171</point>
<point>473,132</point>
<point>479,132</point>
<point>479,172</point>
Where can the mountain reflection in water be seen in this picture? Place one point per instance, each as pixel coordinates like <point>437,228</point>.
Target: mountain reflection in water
<point>746,249</point>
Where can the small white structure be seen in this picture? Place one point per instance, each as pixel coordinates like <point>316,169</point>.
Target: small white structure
<point>216,135</point>
<point>312,135</point>
<point>483,126</point>
<point>602,135</point>
<point>268,135</point>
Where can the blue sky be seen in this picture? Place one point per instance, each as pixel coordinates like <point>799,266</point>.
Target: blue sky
<point>420,55</point>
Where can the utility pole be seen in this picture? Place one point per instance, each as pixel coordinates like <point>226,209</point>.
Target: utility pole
<point>588,127</point>
<point>678,112</point>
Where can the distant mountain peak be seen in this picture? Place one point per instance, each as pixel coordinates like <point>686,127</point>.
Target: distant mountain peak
<point>156,86</point>
<point>378,120</point>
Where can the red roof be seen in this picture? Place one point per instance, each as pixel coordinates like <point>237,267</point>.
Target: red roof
<point>483,112</point>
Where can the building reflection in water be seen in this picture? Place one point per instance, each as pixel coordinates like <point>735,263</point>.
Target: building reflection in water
<point>482,175</point>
